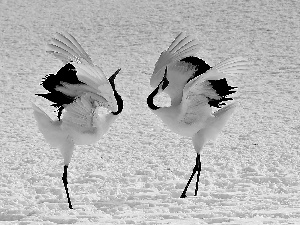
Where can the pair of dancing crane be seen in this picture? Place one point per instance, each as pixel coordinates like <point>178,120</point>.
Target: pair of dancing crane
<point>79,88</point>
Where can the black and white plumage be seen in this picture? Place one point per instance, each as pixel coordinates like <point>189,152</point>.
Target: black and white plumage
<point>78,90</point>
<point>194,88</point>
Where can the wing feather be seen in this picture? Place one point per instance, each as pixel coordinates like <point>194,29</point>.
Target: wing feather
<point>82,51</point>
<point>186,52</point>
<point>80,115</point>
<point>174,43</point>
<point>183,46</point>
<point>194,105</point>
<point>184,43</point>
<point>62,52</point>
<point>74,90</point>
<point>75,47</point>
<point>62,57</point>
<point>199,91</point>
<point>59,45</point>
<point>233,66</point>
<point>92,76</point>
<point>66,48</point>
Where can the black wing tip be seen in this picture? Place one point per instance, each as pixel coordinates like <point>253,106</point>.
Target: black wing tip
<point>57,104</point>
<point>222,90</point>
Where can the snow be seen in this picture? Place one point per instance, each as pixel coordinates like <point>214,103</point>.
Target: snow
<point>137,171</point>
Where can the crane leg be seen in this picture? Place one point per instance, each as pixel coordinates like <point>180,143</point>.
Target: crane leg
<point>65,181</point>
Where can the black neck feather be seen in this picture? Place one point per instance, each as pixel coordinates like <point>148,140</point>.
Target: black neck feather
<point>150,99</point>
<point>117,96</point>
<point>119,103</point>
<point>161,86</point>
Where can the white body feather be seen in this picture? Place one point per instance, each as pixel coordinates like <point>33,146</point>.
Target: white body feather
<point>190,113</point>
<point>80,123</point>
<point>193,112</point>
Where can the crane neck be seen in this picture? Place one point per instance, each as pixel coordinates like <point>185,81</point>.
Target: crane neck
<point>119,103</point>
<point>117,96</point>
<point>150,99</point>
<point>161,86</point>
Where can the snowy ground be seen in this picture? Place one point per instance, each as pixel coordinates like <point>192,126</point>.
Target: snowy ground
<point>136,173</point>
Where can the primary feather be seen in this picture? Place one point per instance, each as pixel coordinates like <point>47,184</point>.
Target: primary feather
<point>182,47</point>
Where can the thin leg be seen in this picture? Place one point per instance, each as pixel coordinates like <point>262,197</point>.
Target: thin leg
<point>198,166</point>
<point>183,195</point>
<point>65,181</point>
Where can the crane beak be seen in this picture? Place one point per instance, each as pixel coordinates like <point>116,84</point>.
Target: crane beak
<point>112,77</point>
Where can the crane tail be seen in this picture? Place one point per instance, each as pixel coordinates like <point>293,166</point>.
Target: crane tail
<point>50,129</point>
<point>220,119</point>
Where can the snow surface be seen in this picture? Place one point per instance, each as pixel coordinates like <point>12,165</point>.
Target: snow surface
<point>136,173</point>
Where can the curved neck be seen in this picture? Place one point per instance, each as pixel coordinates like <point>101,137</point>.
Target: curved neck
<point>150,99</point>
<point>161,86</point>
<point>119,102</point>
<point>117,96</point>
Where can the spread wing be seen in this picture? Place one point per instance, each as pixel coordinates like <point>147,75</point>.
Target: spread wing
<point>209,89</point>
<point>75,80</point>
<point>183,46</point>
<point>66,48</point>
<point>78,77</point>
